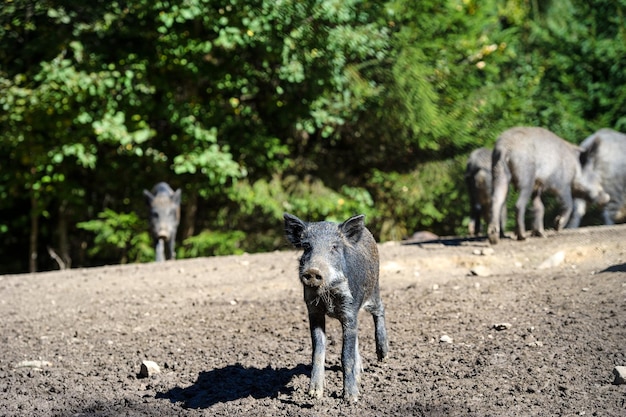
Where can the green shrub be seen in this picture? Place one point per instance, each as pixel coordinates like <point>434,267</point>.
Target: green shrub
<point>120,235</point>
<point>212,243</point>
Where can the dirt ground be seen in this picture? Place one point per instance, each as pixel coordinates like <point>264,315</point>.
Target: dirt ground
<point>230,335</point>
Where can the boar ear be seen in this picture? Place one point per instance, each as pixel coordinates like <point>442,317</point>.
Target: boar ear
<point>149,197</point>
<point>583,157</point>
<point>176,197</point>
<point>586,154</point>
<point>294,227</point>
<point>353,227</point>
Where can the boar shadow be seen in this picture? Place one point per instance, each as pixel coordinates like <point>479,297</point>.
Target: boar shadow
<point>445,241</point>
<point>615,268</point>
<point>231,383</point>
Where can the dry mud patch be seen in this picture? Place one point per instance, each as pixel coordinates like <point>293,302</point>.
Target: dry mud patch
<point>230,335</point>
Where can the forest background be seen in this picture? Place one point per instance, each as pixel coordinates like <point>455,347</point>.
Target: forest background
<point>321,108</point>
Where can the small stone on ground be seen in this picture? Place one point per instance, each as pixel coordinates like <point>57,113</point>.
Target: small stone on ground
<point>149,368</point>
<point>620,375</point>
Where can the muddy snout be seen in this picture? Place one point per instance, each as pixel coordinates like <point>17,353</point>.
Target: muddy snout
<point>312,277</point>
<point>163,233</point>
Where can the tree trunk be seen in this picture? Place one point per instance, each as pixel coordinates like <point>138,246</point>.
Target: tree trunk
<point>189,216</point>
<point>63,240</point>
<point>34,232</point>
<point>64,246</point>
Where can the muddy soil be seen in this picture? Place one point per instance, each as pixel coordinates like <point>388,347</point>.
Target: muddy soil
<point>230,335</point>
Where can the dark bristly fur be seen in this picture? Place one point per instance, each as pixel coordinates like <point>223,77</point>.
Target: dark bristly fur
<point>339,270</point>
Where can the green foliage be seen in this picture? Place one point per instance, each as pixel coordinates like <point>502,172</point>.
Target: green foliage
<point>121,234</point>
<point>583,85</point>
<point>257,107</point>
<point>260,206</point>
<point>423,199</point>
<point>214,243</point>
<point>307,197</point>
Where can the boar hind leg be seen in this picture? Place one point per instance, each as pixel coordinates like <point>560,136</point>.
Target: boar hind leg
<point>377,310</point>
<point>520,211</point>
<point>503,221</point>
<point>538,213</point>
<point>498,203</point>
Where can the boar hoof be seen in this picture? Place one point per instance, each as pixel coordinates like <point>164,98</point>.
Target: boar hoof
<point>351,398</point>
<point>539,233</point>
<point>316,392</point>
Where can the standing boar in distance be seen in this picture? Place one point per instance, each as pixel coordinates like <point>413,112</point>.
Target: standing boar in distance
<point>339,270</point>
<point>537,160</point>
<point>478,181</point>
<point>605,152</point>
<point>164,204</point>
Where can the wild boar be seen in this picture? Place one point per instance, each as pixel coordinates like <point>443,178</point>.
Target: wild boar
<point>605,154</point>
<point>536,160</point>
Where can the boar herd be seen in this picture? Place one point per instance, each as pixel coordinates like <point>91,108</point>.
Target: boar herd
<point>537,161</point>
<point>533,159</point>
<point>339,265</point>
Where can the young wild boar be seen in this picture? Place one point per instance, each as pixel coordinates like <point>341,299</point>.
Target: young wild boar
<point>478,182</point>
<point>164,206</point>
<point>339,271</point>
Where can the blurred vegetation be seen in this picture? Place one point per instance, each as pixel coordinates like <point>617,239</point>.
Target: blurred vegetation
<point>322,108</point>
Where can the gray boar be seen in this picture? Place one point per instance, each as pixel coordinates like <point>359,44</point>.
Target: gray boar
<point>606,156</point>
<point>339,270</point>
<point>164,206</point>
<point>478,181</point>
<point>537,160</point>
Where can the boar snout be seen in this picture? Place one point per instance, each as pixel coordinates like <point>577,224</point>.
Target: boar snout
<point>312,277</point>
<point>604,198</point>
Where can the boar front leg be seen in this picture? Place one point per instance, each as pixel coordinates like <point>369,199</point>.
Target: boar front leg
<point>580,207</point>
<point>171,254</point>
<point>566,212</point>
<point>159,248</point>
<point>350,359</point>
<point>317,324</point>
